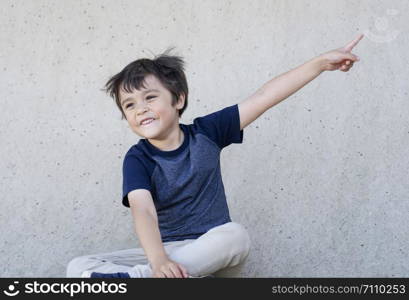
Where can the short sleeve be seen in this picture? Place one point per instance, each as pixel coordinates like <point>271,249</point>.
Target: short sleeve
<point>135,176</point>
<point>223,126</point>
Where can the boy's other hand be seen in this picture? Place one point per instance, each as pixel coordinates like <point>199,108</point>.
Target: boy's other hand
<point>340,59</point>
<point>166,268</point>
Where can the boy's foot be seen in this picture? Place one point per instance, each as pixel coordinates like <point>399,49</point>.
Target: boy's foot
<point>90,274</point>
<point>206,276</point>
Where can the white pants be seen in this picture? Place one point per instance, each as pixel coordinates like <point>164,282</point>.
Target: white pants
<point>223,246</point>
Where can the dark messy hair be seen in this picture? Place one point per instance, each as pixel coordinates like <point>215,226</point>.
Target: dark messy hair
<point>168,69</point>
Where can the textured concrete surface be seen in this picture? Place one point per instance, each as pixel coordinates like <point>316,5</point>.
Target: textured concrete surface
<point>321,180</point>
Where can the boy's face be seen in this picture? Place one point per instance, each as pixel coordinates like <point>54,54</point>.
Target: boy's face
<point>154,101</point>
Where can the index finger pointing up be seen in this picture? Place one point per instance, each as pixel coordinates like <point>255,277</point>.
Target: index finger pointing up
<point>353,43</point>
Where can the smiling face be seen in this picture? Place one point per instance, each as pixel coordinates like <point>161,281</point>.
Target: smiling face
<point>154,101</point>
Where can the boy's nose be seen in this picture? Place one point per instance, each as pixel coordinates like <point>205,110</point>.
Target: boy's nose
<point>140,109</point>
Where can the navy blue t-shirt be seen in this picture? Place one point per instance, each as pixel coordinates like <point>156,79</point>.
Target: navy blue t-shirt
<point>186,183</point>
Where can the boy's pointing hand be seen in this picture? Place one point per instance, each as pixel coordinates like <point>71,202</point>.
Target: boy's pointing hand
<point>340,59</point>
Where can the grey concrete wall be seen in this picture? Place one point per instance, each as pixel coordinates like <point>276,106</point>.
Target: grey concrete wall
<point>320,181</point>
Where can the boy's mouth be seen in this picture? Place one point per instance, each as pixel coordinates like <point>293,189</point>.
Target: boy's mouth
<point>147,122</point>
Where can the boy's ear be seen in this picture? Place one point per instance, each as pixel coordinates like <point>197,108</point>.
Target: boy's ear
<point>181,101</point>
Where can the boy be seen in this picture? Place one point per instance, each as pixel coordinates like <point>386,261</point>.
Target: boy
<point>172,180</point>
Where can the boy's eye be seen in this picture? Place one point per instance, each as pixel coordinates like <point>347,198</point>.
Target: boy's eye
<point>148,98</point>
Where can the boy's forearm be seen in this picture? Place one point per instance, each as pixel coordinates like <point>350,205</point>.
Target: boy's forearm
<point>147,229</point>
<point>286,84</point>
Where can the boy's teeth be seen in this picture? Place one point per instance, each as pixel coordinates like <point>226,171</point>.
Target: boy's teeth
<point>147,121</point>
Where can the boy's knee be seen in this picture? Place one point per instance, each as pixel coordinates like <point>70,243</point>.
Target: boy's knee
<point>76,266</point>
<point>240,239</point>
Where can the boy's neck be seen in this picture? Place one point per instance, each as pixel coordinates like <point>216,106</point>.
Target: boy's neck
<point>172,142</point>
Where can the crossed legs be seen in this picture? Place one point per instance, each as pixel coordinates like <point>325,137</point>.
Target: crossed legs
<point>223,246</point>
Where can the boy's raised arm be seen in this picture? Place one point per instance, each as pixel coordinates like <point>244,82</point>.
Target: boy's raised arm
<point>286,84</point>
